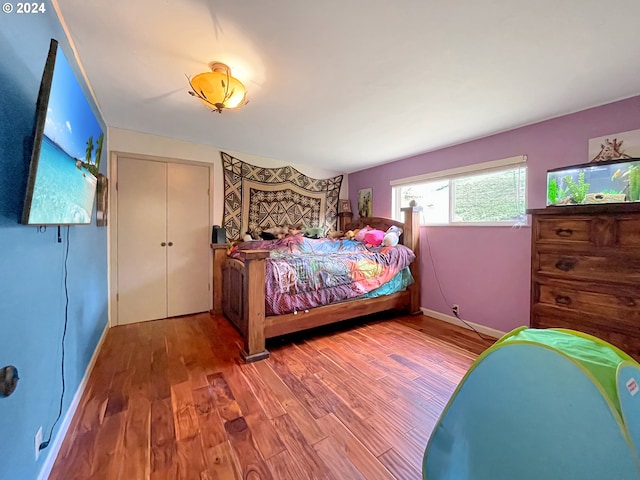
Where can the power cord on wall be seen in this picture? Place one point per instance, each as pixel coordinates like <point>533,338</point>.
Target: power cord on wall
<point>45,444</point>
<point>453,308</point>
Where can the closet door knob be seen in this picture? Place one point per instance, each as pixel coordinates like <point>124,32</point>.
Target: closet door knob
<point>170,244</point>
<point>163,244</point>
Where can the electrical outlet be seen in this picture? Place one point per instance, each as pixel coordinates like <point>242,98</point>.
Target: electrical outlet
<point>455,309</point>
<point>38,441</point>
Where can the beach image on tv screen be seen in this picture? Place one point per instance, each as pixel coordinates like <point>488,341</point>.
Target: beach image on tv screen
<point>70,154</point>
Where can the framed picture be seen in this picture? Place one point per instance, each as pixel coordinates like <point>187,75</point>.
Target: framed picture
<point>102,200</point>
<point>365,202</point>
<point>615,146</point>
<point>344,206</point>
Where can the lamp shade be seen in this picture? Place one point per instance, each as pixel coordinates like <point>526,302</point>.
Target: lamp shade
<point>217,89</point>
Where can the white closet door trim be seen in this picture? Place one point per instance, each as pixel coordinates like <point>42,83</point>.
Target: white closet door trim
<point>113,228</point>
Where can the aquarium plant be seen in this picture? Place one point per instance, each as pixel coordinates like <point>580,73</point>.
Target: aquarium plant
<point>634,183</point>
<point>577,190</point>
<point>552,191</point>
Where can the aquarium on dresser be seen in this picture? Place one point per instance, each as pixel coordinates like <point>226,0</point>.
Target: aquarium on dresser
<point>610,181</point>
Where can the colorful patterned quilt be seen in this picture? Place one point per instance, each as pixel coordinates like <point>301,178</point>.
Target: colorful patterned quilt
<point>303,273</point>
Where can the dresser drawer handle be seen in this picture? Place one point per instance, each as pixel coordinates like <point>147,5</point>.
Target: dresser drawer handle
<point>563,300</point>
<point>565,264</point>
<point>564,232</point>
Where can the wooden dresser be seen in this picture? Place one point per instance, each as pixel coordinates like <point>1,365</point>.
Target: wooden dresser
<point>585,271</point>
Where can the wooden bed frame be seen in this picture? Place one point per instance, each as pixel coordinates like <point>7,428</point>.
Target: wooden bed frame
<point>239,291</point>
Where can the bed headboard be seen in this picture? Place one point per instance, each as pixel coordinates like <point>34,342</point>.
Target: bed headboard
<point>410,227</point>
<point>379,223</point>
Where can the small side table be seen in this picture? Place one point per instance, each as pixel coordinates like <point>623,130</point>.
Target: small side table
<point>343,219</point>
<point>219,254</point>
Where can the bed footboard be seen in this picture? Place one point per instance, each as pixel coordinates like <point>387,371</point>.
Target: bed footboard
<point>243,299</point>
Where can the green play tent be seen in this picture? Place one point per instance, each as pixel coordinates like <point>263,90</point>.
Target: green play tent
<point>541,405</point>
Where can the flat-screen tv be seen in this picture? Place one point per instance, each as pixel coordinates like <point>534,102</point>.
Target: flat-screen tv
<point>67,148</point>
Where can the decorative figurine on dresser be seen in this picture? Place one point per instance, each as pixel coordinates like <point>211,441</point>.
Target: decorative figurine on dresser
<point>585,252</point>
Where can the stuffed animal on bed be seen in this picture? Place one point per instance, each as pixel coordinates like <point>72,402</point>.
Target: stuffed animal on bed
<point>351,234</point>
<point>314,232</point>
<point>333,234</point>
<point>359,236</point>
<point>392,236</point>
<point>275,232</point>
<point>373,238</point>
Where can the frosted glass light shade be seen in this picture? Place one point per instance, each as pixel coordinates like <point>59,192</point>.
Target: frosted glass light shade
<point>217,89</point>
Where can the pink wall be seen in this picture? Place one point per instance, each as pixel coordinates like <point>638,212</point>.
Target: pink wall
<point>485,270</point>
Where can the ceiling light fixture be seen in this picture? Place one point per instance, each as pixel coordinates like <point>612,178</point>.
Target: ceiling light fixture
<point>217,89</point>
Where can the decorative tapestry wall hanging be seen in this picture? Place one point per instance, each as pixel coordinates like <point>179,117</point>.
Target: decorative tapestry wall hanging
<point>257,198</point>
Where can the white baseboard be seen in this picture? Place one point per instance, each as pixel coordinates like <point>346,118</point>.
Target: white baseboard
<point>56,443</point>
<point>491,332</point>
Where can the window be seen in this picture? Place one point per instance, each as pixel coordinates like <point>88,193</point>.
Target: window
<point>491,193</point>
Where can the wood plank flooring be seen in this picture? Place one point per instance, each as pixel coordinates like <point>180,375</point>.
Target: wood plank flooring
<point>171,399</point>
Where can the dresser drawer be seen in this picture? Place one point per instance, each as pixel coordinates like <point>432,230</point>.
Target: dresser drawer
<point>623,336</point>
<point>619,303</point>
<point>607,268</point>
<point>563,230</point>
<point>629,231</point>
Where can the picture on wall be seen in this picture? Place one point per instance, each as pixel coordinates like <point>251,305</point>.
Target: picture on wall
<point>365,202</point>
<point>615,146</point>
<point>258,198</point>
<point>345,205</point>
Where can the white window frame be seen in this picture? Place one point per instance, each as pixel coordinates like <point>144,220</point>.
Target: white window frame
<point>452,174</point>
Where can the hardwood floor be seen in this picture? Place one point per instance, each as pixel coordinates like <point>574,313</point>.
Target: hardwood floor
<point>170,399</point>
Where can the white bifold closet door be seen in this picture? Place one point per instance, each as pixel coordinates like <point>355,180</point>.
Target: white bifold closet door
<point>163,239</point>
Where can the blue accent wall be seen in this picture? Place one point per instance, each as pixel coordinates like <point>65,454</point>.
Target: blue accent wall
<point>32,295</point>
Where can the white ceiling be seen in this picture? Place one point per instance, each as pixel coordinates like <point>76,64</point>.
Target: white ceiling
<point>347,84</point>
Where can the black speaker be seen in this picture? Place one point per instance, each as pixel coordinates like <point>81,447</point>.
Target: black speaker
<point>218,234</point>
